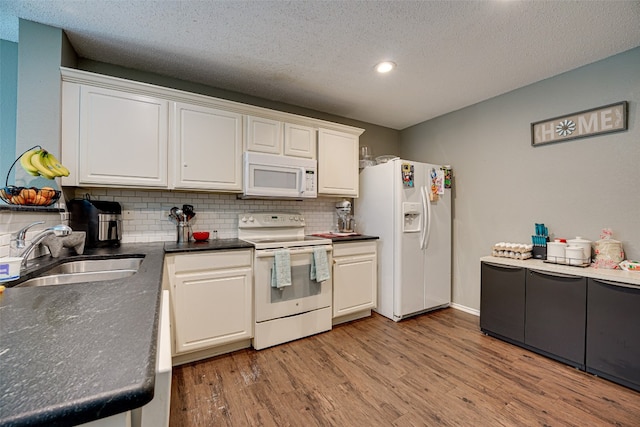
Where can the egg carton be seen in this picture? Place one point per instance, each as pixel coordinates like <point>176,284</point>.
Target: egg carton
<point>511,254</point>
<point>512,250</point>
<point>513,247</point>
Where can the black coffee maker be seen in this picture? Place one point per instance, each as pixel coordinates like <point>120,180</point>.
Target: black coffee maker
<point>100,220</point>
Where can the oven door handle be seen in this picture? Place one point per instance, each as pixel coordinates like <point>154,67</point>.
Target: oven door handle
<point>263,253</point>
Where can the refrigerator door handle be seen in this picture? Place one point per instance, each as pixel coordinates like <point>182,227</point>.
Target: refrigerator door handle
<point>426,213</point>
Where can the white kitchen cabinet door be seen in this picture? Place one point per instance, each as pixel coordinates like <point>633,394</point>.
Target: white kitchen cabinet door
<point>208,148</point>
<point>337,163</point>
<point>122,419</point>
<point>263,135</point>
<point>354,277</point>
<point>212,299</point>
<point>123,139</point>
<point>299,141</point>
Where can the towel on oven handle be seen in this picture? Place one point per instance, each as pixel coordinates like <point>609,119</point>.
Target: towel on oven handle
<point>281,271</point>
<point>319,265</point>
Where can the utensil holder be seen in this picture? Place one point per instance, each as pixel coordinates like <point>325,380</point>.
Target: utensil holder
<point>184,232</point>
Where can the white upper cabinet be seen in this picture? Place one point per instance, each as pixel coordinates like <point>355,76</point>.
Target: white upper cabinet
<point>276,137</point>
<point>122,138</point>
<point>299,141</point>
<point>122,133</point>
<point>264,135</point>
<point>208,144</point>
<point>337,163</point>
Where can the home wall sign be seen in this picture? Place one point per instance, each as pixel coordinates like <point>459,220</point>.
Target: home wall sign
<point>597,121</point>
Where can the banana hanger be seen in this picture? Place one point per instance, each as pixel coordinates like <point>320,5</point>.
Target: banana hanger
<point>31,196</point>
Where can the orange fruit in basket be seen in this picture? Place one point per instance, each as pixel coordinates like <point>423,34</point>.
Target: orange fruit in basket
<point>28,194</point>
<point>48,192</point>
<point>38,199</point>
<point>45,200</point>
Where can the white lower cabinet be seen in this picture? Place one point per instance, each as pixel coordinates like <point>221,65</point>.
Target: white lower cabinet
<point>354,279</point>
<point>118,420</point>
<point>211,299</point>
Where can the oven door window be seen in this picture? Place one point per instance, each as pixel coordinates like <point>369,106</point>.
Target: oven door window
<point>301,286</point>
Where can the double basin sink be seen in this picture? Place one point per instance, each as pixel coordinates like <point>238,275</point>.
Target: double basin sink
<point>88,270</point>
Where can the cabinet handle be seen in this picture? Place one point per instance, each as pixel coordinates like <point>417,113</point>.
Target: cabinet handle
<point>506,267</point>
<point>616,284</point>
<point>554,274</point>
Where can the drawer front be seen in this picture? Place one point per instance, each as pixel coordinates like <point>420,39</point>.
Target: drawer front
<point>212,260</point>
<point>354,248</point>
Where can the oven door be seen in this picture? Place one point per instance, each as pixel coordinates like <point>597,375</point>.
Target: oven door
<point>303,295</point>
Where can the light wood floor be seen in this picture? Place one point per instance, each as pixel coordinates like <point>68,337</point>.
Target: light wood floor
<point>432,370</point>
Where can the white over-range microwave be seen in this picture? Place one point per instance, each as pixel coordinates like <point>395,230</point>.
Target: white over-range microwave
<point>269,175</point>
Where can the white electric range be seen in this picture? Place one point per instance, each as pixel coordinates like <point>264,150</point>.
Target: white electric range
<point>291,312</point>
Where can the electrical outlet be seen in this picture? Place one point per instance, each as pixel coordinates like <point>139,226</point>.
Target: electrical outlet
<point>127,214</point>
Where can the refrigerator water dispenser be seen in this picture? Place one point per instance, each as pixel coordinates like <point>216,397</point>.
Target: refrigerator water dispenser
<point>411,213</point>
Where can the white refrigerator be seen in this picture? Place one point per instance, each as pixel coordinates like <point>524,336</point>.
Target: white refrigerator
<point>406,204</point>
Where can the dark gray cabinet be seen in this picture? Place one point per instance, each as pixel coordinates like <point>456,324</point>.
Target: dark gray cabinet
<point>588,323</point>
<point>555,316</point>
<point>502,301</point>
<point>613,331</point>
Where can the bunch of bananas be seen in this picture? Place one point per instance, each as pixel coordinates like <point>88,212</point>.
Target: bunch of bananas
<point>39,162</point>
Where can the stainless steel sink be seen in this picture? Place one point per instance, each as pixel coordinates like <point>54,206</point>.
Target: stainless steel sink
<point>86,271</point>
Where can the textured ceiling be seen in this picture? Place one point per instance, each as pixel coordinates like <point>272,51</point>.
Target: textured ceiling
<point>320,54</point>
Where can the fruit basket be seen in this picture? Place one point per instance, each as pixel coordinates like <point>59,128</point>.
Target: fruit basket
<point>37,162</point>
<point>29,196</point>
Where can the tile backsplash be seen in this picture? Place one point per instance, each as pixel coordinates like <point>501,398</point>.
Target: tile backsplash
<point>12,221</point>
<point>145,212</point>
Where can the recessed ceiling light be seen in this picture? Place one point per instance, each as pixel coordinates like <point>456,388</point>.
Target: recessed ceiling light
<point>385,67</point>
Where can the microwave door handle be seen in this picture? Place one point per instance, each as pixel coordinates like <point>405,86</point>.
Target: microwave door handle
<point>302,185</point>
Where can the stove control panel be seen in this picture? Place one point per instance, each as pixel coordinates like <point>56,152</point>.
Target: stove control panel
<point>270,219</point>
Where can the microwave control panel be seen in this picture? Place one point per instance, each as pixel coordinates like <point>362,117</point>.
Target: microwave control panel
<point>310,181</point>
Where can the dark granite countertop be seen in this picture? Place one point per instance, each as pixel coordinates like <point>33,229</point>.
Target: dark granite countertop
<point>74,353</point>
<point>339,239</point>
<point>78,352</point>
<point>209,245</point>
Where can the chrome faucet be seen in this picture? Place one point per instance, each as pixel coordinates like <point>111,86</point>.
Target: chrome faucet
<point>58,230</point>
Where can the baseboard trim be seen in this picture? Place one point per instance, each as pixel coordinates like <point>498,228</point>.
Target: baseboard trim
<point>466,309</point>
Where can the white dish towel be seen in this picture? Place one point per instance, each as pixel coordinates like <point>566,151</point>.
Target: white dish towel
<point>319,265</point>
<point>281,271</point>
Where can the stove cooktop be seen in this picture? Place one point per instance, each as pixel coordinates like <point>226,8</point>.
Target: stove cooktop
<point>272,230</point>
<point>286,242</point>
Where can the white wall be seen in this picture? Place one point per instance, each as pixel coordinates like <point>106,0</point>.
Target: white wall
<point>39,58</point>
<point>8,94</point>
<point>503,185</point>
